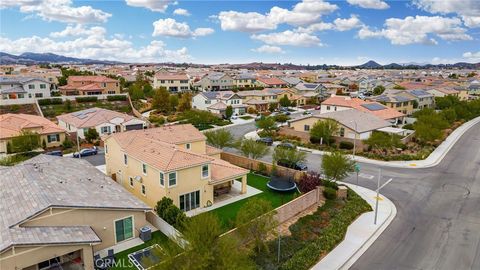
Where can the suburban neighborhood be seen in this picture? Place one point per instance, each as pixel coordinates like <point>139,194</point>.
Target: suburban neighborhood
<point>294,155</point>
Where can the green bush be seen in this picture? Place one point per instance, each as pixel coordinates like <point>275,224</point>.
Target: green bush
<point>117,98</point>
<point>329,184</point>
<point>67,143</point>
<point>49,101</point>
<point>281,118</point>
<point>170,213</point>
<point>262,168</point>
<point>156,119</point>
<point>86,99</point>
<point>408,126</point>
<point>346,145</point>
<point>330,193</point>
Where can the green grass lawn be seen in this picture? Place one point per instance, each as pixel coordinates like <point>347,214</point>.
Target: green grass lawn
<point>157,238</point>
<point>228,213</point>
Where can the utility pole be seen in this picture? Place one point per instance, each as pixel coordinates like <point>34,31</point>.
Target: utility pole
<point>378,193</point>
<point>278,253</point>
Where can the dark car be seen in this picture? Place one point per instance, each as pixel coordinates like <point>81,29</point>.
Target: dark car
<point>287,113</point>
<point>299,166</point>
<point>55,153</point>
<point>317,108</point>
<point>287,145</point>
<point>266,140</point>
<point>86,152</point>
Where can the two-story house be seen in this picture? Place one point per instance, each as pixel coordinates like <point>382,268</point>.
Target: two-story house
<point>174,162</point>
<point>174,82</point>
<point>23,90</point>
<point>272,82</point>
<point>90,85</point>
<point>103,120</point>
<point>245,80</point>
<point>216,81</point>
<point>217,102</point>
<point>401,103</point>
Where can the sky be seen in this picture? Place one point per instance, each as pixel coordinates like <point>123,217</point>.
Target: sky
<point>312,32</point>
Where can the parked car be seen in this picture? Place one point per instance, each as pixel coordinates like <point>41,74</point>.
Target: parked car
<point>234,117</point>
<point>266,140</point>
<point>86,152</point>
<point>286,113</point>
<point>307,113</point>
<point>55,153</point>
<point>299,166</point>
<point>259,117</point>
<point>317,108</point>
<point>287,145</point>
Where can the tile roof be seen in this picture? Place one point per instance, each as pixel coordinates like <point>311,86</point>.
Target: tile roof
<point>92,117</point>
<point>90,87</point>
<point>222,170</point>
<point>356,103</point>
<point>171,76</point>
<point>210,150</point>
<point>100,79</point>
<point>271,81</point>
<point>11,125</point>
<point>35,185</point>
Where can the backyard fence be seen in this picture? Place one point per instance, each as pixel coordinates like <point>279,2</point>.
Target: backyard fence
<point>165,228</point>
<point>253,164</point>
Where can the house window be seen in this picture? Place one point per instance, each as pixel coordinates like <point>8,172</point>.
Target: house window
<point>43,86</point>
<point>172,179</point>
<point>162,81</point>
<point>38,95</point>
<point>162,179</point>
<point>144,168</point>
<point>53,138</point>
<point>306,127</point>
<point>111,92</point>
<point>144,191</point>
<point>124,229</point>
<point>105,129</point>
<point>328,108</point>
<point>342,132</point>
<point>131,181</point>
<point>188,146</point>
<point>104,85</point>
<point>204,171</point>
<point>190,201</point>
<point>125,159</point>
<point>20,95</point>
<point>31,86</point>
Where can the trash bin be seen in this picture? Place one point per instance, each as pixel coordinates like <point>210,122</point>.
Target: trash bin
<point>145,233</point>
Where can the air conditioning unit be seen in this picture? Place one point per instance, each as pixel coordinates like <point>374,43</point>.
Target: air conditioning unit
<point>138,178</point>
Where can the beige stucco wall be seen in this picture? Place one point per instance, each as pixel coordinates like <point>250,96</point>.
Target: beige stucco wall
<point>3,143</point>
<point>101,221</point>
<point>31,256</point>
<point>188,180</point>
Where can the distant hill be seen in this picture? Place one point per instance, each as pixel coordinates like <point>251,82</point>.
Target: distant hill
<point>39,58</point>
<point>370,64</point>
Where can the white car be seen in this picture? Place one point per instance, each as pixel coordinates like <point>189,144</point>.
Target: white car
<point>233,117</point>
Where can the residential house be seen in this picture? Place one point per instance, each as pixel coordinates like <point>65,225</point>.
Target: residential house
<point>443,92</point>
<point>12,125</point>
<point>333,89</point>
<point>217,102</point>
<point>216,81</point>
<point>474,87</point>
<point>463,93</point>
<point>291,81</point>
<point>103,120</point>
<point>424,99</point>
<point>90,85</point>
<point>260,100</point>
<point>272,82</point>
<point>402,103</point>
<point>245,80</point>
<point>174,162</point>
<point>339,103</point>
<point>353,124</point>
<point>173,82</point>
<point>23,90</point>
<point>58,212</point>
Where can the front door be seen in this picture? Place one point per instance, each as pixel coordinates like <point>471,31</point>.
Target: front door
<point>119,178</point>
<point>118,128</point>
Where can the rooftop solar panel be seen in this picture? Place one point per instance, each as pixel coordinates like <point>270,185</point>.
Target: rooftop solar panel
<point>373,107</point>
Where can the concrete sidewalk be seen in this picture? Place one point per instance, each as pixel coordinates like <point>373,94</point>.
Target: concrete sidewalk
<point>432,160</point>
<point>361,233</point>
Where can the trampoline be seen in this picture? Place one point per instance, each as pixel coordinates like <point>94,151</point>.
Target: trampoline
<point>145,258</point>
<point>281,184</point>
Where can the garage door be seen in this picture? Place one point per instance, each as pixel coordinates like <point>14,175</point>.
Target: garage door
<point>132,127</point>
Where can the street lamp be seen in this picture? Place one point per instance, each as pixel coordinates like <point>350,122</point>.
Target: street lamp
<point>378,193</point>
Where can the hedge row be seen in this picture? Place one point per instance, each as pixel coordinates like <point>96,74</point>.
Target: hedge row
<point>117,98</point>
<point>86,99</point>
<point>49,101</point>
<point>331,235</point>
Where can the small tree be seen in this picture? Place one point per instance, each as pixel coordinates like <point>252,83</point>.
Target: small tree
<point>185,102</point>
<point>378,90</point>
<point>289,156</point>
<point>91,135</point>
<point>285,102</point>
<point>267,124</point>
<point>173,100</point>
<point>220,138</point>
<point>68,105</point>
<point>25,142</point>
<point>229,112</point>
<point>336,166</point>
<point>255,220</point>
<point>161,100</point>
<point>272,107</point>
<point>252,149</point>
<point>309,181</point>
<point>379,140</point>
<point>324,130</point>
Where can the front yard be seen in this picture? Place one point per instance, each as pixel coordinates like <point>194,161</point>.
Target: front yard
<point>228,213</point>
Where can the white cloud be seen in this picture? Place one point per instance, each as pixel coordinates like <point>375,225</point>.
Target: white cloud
<point>347,24</point>
<point>418,29</point>
<point>469,10</point>
<point>372,4</point>
<point>96,46</point>
<point>153,5</point>
<point>472,56</point>
<point>289,37</point>
<point>268,49</point>
<point>303,13</point>
<point>316,27</point>
<point>58,10</point>
<point>79,30</point>
<point>181,12</point>
<point>170,27</point>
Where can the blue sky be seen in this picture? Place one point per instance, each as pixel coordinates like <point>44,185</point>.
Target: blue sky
<point>303,32</point>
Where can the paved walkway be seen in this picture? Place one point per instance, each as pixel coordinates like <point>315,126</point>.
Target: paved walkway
<point>361,233</point>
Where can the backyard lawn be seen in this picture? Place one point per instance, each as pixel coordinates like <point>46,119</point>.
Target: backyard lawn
<point>228,213</point>
<point>122,257</point>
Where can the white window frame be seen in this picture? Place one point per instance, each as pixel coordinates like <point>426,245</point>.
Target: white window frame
<point>208,171</point>
<point>130,181</point>
<point>106,148</point>
<point>125,159</point>
<point>188,146</point>
<point>161,179</point>
<point>176,179</point>
<point>144,169</point>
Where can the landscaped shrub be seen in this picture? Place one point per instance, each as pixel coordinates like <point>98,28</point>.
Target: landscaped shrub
<point>251,110</point>
<point>330,184</point>
<point>346,145</point>
<point>309,181</point>
<point>156,119</point>
<point>67,143</point>
<point>170,213</point>
<point>262,168</point>
<point>408,126</point>
<point>171,118</point>
<point>86,99</point>
<point>330,193</point>
<point>117,98</point>
<point>49,101</point>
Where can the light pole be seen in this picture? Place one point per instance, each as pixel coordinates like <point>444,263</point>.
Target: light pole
<point>78,145</point>
<point>378,193</point>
